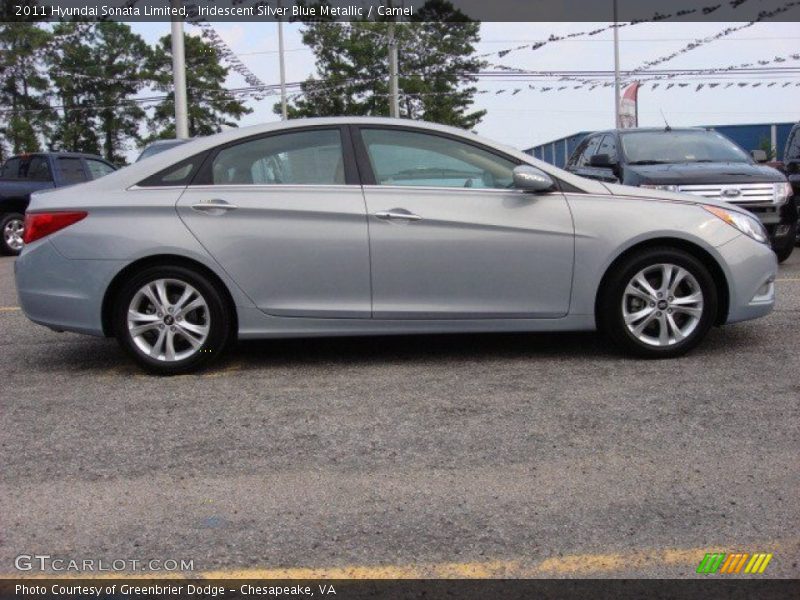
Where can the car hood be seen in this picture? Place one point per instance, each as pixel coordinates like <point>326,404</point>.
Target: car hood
<point>716,172</point>
<point>628,191</point>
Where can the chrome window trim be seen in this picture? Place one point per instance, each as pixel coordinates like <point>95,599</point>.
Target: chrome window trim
<point>435,188</point>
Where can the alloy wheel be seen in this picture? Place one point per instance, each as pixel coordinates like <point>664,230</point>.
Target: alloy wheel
<point>662,304</point>
<point>12,234</point>
<point>168,320</point>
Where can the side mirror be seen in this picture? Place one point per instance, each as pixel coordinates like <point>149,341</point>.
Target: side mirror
<point>759,155</point>
<point>531,179</point>
<point>602,161</point>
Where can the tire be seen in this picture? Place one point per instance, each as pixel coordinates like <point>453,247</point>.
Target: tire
<point>634,319</point>
<point>785,247</point>
<point>11,226</point>
<point>172,340</point>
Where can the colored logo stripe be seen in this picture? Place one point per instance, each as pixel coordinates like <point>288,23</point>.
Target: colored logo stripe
<point>732,563</point>
<point>758,563</point>
<point>711,563</point>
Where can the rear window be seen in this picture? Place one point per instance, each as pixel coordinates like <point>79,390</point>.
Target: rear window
<point>71,170</point>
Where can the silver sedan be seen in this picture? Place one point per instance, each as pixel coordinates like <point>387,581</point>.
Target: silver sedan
<point>359,226</point>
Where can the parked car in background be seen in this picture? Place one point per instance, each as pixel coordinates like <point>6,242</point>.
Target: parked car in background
<point>27,173</point>
<point>694,161</point>
<point>159,146</point>
<point>368,226</point>
<point>791,164</point>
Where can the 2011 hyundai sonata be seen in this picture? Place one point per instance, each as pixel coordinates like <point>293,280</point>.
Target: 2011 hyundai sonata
<point>359,226</point>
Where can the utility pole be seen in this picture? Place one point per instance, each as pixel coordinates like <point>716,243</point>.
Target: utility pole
<point>179,76</point>
<point>284,112</point>
<point>394,93</point>
<point>616,67</point>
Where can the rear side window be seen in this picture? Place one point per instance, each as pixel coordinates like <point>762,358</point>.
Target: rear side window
<point>304,157</point>
<point>39,169</point>
<point>71,170</point>
<point>10,169</point>
<point>178,174</point>
<point>98,169</point>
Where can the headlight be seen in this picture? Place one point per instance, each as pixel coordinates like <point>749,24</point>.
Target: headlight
<point>666,188</point>
<point>745,223</point>
<point>783,191</point>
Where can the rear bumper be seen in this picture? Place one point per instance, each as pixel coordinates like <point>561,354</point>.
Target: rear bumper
<point>63,294</point>
<point>751,269</point>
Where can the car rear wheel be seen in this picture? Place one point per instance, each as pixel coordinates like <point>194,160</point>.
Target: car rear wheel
<point>172,320</point>
<point>12,226</point>
<point>659,303</point>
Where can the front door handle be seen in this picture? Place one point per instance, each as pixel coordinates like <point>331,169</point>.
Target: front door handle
<point>213,207</point>
<point>398,214</point>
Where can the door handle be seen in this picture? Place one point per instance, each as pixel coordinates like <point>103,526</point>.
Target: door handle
<point>395,214</point>
<point>216,206</point>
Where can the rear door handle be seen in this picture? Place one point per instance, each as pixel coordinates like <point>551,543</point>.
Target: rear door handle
<point>214,207</point>
<point>397,214</point>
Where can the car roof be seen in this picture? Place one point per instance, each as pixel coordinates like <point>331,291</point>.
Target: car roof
<point>650,130</point>
<point>60,155</point>
<point>169,142</point>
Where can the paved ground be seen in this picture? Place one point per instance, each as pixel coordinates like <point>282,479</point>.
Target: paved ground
<point>474,455</point>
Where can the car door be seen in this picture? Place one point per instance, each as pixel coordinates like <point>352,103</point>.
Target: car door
<point>450,238</point>
<point>284,215</point>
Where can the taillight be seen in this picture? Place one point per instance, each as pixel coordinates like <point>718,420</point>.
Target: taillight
<point>40,224</point>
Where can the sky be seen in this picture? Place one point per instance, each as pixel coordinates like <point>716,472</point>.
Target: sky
<point>532,117</point>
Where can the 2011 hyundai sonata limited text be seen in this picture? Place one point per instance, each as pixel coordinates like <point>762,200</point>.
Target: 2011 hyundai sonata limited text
<point>360,226</point>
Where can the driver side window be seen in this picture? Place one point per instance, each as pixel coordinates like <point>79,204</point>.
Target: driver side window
<point>410,158</point>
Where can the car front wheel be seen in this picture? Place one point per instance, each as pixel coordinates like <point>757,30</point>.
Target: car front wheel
<point>172,320</point>
<point>659,303</point>
<point>12,226</point>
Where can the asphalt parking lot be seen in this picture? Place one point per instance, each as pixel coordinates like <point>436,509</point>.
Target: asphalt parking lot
<point>487,455</point>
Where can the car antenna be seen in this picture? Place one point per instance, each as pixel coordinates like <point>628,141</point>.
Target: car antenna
<point>667,128</point>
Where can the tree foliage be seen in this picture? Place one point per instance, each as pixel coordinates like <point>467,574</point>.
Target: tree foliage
<point>436,66</point>
<point>73,86</point>
<point>210,106</point>
<point>23,87</point>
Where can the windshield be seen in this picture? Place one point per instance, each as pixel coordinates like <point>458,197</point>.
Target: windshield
<point>657,147</point>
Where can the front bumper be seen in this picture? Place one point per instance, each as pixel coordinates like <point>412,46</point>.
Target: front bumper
<point>750,268</point>
<point>63,294</point>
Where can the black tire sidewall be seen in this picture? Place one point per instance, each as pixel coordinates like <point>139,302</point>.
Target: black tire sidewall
<point>220,334</point>
<point>784,247</point>
<point>610,317</point>
<point>4,249</point>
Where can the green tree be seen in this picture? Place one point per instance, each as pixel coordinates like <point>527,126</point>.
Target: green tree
<point>210,106</point>
<point>436,68</point>
<point>73,74</point>
<point>121,57</point>
<point>97,69</point>
<point>24,110</point>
